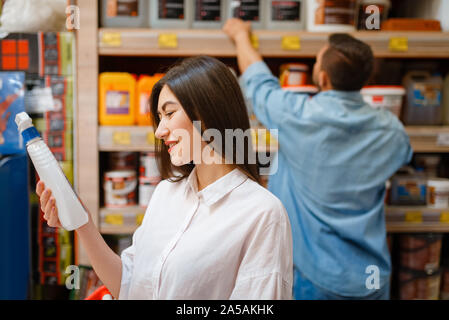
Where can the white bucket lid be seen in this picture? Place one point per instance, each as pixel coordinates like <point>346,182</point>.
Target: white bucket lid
<point>120,174</point>
<point>383,90</point>
<point>439,183</point>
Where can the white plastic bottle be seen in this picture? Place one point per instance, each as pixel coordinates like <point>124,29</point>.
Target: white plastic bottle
<point>71,212</point>
<point>208,14</point>
<point>248,10</point>
<point>283,15</point>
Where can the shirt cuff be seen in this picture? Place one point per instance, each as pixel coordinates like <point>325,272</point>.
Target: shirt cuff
<point>256,68</point>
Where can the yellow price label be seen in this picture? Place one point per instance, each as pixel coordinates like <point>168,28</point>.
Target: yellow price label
<point>139,218</point>
<point>291,43</point>
<point>114,219</point>
<point>113,39</point>
<point>122,138</point>
<point>444,217</point>
<point>151,139</point>
<point>413,216</point>
<point>168,41</point>
<point>254,41</point>
<point>399,44</point>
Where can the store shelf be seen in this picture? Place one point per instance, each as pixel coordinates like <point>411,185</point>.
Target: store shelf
<point>155,42</point>
<point>121,220</point>
<point>141,139</point>
<point>429,139</point>
<point>416,219</point>
<point>126,138</point>
<point>399,219</point>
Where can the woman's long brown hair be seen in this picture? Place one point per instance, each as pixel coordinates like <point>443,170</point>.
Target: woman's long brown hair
<point>210,93</point>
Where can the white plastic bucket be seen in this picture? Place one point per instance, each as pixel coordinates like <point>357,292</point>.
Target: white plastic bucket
<point>384,97</point>
<point>120,188</point>
<point>148,167</point>
<point>438,193</point>
<point>146,190</point>
<point>331,16</point>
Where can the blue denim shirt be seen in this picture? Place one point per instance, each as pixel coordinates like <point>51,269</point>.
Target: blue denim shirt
<point>335,155</point>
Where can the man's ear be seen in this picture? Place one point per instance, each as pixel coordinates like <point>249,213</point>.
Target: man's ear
<point>323,79</point>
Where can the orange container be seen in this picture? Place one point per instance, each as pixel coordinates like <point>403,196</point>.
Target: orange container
<point>144,88</point>
<point>117,99</point>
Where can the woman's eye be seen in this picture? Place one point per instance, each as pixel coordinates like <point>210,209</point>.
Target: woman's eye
<point>169,114</point>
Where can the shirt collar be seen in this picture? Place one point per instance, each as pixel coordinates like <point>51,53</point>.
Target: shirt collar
<point>218,189</point>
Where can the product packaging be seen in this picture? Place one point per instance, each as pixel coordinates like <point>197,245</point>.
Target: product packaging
<point>117,99</point>
<point>331,16</point>
<point>124,13</point>
<point>166,14</point>
<point>287,15</point>
<point>248,10</point>
<point>209,14</point>
<point>11,104</point>
<point>423,103</point>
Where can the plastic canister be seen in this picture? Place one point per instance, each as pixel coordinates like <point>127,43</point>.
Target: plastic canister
<point>293,74</point>
<point>148,167</point>
<point>124,13</point>
<point>331,16</point>
<point>285,14</point>
<point>248,10</point>
<point>120,189</point>
<point>384,97</point>
<point>438,193</point>
<point>146,190</point>
<point>408,188</point>
<point>144,87</point>
<point>423,100</point>
<point>365,12</point>
<point>175,14</point>
<point>117,99</point>
<point>209,14</point>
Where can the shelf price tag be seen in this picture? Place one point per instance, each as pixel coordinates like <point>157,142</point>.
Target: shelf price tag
<point>139,219</point>
<point>168,41</point>
<point>398,44</point>
<point>122,138</point>
<point>413,216</point>
<point>114,219</point>
<point>113,39</point>
<point>443,139</point>
<point>444,217</point>
<point>291,43</point>
<point>254,41</point>
<point>151,140</point>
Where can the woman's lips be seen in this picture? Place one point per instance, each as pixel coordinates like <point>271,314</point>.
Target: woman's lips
<point>171,145</point>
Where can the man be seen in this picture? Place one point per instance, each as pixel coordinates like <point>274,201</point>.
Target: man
<point>335,155</point>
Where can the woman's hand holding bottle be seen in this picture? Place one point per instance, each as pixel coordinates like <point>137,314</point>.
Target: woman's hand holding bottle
<point>48,205</point>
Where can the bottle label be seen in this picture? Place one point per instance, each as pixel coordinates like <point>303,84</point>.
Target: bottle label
<point>117,102</point>
<point>247,10</point>
<point>171,9</point>
<point>208,10</point>
<point>285,10</point>
<point>426,95</point>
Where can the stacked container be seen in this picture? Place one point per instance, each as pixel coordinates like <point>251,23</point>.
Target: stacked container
<point>124,13</point>
<point>176,14</point>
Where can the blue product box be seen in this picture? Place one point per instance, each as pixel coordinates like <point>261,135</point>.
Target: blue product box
<point>11,103</point>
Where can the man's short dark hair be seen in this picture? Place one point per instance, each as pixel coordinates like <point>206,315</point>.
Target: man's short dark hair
<point>348,62</point>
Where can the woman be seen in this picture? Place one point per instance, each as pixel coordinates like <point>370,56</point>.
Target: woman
<point>210,230</point>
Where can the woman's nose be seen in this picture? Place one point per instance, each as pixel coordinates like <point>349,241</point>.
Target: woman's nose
<point>161,131</point>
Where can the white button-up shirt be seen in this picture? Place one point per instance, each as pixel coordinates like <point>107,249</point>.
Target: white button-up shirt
<point>231,240</point>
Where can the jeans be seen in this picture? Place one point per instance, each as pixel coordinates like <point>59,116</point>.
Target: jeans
<point>304,289</point>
